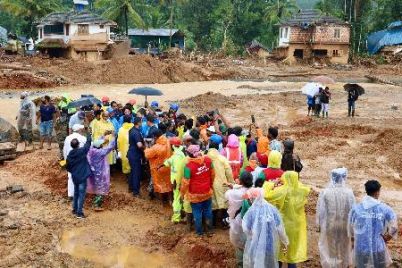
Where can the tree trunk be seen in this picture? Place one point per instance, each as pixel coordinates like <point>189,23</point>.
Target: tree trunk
<point>171,22</point>
<point>126,19</point>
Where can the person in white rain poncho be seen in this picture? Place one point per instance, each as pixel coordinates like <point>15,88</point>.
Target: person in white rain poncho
<point>265,231</point>
<point>78,130</point>
<point>333,207</point>
<point>372,224</point>
<point>235,199</point>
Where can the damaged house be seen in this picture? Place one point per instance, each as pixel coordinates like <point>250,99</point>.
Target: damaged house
<point>77,34</point>
<point>387,42</point>
<point>310,34</point>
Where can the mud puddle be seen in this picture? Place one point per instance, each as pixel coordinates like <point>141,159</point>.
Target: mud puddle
<point>122,256</point>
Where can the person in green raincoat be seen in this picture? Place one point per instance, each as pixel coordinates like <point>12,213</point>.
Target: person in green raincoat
<point>243,147</point>
<point>176,163</point>
<point>290,199</point>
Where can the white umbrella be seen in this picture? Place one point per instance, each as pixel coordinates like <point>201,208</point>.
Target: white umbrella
<point>311,89</point>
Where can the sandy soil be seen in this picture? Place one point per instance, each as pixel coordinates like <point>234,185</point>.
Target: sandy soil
<point>37,228</point>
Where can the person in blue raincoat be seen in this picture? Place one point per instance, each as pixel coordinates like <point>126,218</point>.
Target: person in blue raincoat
<point>371,225</point>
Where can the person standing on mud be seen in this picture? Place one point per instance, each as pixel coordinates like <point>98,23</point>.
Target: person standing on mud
<point>77,164</point>
<point>46,117</point>
<point>197,187</point>
<point>310,105</point>
<point>135,157</point>
<point>353,95</point>
<point>325,97</point>
<point>274,144</point>
<point>99,181</point>
<point>77,134</point>
<point>62,130</point>
<point>333,207</point>
<point>25,119</point>
<point>372,224</point>
<point>318,103</point>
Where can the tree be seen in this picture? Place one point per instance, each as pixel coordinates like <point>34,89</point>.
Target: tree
<point>280,9</point>
<point>120,9</point>
<point>30,11</point>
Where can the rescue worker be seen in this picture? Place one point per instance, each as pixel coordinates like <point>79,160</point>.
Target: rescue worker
<point>123,144</point>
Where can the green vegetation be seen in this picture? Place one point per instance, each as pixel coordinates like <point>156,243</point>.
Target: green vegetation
<point>212,25</point>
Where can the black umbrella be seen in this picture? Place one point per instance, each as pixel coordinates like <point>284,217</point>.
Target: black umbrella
<point>146,91</point>
<point>84,101</point>
<point>359,89</point>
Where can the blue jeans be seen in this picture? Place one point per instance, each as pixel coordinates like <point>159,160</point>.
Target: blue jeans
<point>135,175</point>
<point>290,265</point>
<point>352,105</point>
<point>200,210</point>
<point>80,190</point>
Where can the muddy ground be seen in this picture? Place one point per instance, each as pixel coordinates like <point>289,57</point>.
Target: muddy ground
<point>34,72</point>
<point>37,228</point>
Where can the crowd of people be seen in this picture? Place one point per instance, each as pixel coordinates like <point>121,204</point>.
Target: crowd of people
<point>215,175</point>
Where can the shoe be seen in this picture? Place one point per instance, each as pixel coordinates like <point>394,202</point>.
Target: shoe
<point>80,216</point>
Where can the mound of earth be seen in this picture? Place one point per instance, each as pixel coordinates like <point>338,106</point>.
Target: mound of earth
<point>8,133</point>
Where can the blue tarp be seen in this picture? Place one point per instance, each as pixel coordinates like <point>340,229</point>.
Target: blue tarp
<point>390,37</point>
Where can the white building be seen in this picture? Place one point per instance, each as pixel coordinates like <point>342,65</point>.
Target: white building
<point>77,34</point>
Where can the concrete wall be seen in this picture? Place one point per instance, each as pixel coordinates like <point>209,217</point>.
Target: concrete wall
<point>341,52</point>
<point>73,31</point>
<point>320,34</point>
<point>326,34</point>
<point>284,34</point>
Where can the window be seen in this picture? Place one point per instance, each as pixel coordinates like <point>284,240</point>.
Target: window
<point>101,26</point>
<point>54,29</point>
<point>67,29</point>
<point>40,33</point>
<point>281,33</point>
<point>83,29</point>
<point>286,32</point>
<point>337,33</point>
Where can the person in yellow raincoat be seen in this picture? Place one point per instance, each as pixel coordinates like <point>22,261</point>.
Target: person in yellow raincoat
<point>123,144</point>
<point>176,163</point>
<point>157,155</point>
<point>99,128</point>
<point>223,176</point>
<point>290,199</point>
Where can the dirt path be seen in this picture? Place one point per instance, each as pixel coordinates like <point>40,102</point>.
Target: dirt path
<point>37,228</point>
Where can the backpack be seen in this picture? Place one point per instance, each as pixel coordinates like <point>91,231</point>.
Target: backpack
<point>297,164</point>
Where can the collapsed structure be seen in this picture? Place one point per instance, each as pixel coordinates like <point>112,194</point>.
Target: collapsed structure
<point>77,34</point>
<point>386,42</point>
<point>309,34</point>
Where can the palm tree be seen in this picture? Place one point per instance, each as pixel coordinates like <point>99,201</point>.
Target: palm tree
<point>118,9</point>
<point>279,9</point>
<point>30,10</point>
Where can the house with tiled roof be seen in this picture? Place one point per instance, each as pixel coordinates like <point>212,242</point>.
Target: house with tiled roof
<point>310,34</point>
<point>77,34</point>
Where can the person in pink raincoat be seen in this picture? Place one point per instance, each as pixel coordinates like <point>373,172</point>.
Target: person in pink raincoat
<point>234,155</point>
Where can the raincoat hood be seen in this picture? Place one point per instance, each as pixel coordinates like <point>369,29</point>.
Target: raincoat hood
<point>370,202</point>
<point>213,153</point>
<point>291,179</point>
<point>275,159</point>
<point>242,138</point>
<point>288,146</point>
<point>338,177</point>
<point>233,141</point>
